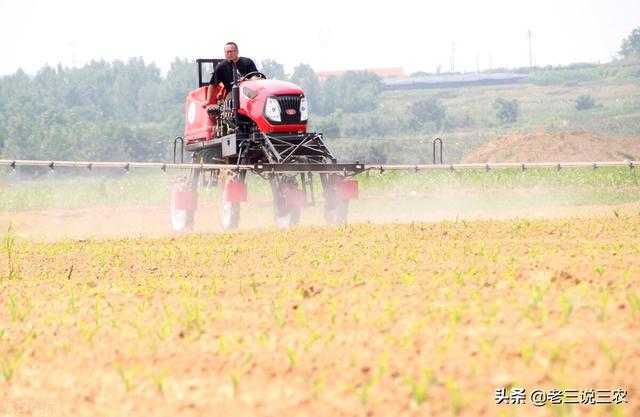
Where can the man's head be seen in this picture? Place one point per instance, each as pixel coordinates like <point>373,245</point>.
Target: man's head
<point>231,51</point>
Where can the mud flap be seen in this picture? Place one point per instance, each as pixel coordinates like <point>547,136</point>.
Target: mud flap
<point>235,192</point>
<point>294,198</point>
<point>347,190</point>
<point>184,200</point>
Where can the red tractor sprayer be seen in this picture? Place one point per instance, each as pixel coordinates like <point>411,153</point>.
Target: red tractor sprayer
<point>261,126</point>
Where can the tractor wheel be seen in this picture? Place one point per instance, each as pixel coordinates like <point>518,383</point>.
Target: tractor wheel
<point>335,209</point>
<point>229,210</point>
<point>335,212</point>
<point>230,215</point>
<point>285,215</point>
<point>181,218</point>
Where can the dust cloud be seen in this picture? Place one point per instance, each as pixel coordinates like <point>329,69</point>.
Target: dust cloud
<point>123,207</point>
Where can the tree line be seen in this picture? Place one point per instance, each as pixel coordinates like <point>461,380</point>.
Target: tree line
<point>129,110</point>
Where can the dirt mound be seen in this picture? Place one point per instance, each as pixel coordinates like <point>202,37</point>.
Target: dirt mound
<point>560,147</point>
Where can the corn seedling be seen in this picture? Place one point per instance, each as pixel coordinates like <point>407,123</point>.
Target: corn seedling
<point>318,385</point>
<point>235,382</point>
<point>159,379</point>
<point>418,391</point>
<point>527,352</point>
<point>126,375</point>
<point>333,308</point>
<point>9,241</point>
<point>293,358</point>
<point>634,303</point>
<point>278,315</point>
<point>604,302</point>
<point>10,360</point>
<point>567,306</point>
<point>163,329</point>
<point>420,386</point>
<point>193,319</point>
<point>613,359</point>
<point>365,389</point>
<point>456,397</point>
<point>19,310</point>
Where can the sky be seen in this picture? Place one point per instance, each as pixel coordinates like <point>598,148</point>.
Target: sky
<point>328,34</point>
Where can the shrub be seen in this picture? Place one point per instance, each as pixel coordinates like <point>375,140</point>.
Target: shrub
<point>585,103</point>
<point>507,111</point>
<point>427,111</point>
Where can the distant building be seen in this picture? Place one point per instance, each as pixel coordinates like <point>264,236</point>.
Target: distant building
<point>396,79</point>
<point>452,80</point>
<point>381,72</point>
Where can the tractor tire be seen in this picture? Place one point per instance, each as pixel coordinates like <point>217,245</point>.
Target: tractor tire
<point>229,211</point>
<point>181,219</point>
<point>286,218</point>
<point>336,211</point>
<point>229,215</point>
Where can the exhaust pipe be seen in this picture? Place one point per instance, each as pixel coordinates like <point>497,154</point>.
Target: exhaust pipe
<point>235,95</point>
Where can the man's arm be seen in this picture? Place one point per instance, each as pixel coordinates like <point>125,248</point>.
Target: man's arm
<point>211,100</point>
<point>214,93</point>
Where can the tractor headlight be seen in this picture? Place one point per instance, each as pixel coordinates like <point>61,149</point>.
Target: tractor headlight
<point>272,110</point>
<point>304,110</point>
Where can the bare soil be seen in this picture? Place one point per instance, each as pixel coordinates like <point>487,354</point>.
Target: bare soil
<point>373,320</point>
<point>560,147</point>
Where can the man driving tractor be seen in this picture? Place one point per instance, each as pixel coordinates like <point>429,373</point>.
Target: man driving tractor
<point>222,77</point>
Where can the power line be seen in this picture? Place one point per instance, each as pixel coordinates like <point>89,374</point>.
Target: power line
<point>453,51</point>
<point>530,35</point>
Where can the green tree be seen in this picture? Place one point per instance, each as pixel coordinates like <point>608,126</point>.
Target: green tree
<point>507,111</point>
<point>329,98</point>
<point>304,76</point>
<point>426,111</point>
<point>360,91</point>
<point>329,125</point>
<point>102,111</point>
<point>181,78</point>
<point>272,69</point>
<point>585,103</point>
<point>631,45</point>
<point>353,92</point>
<point>362,125</point>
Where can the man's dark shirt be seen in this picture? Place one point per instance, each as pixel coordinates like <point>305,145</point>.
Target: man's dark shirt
<point>224,71</point>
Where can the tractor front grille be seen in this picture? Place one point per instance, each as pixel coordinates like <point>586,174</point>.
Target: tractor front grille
<point>289,102</point>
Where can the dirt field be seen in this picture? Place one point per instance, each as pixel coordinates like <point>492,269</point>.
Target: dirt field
<point>376,320</point>
<point>561,147</point>
<point>153,221</point>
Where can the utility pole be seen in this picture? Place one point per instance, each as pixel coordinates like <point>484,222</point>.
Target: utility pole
<point>478,63</point>
<point>453,52</point>
<point>530,35</point>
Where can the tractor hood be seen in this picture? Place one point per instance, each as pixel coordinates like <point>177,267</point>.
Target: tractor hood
<point>290,105</point>
<point>268,88</point>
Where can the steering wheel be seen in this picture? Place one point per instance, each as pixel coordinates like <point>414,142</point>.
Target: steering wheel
<point>253,74</point>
